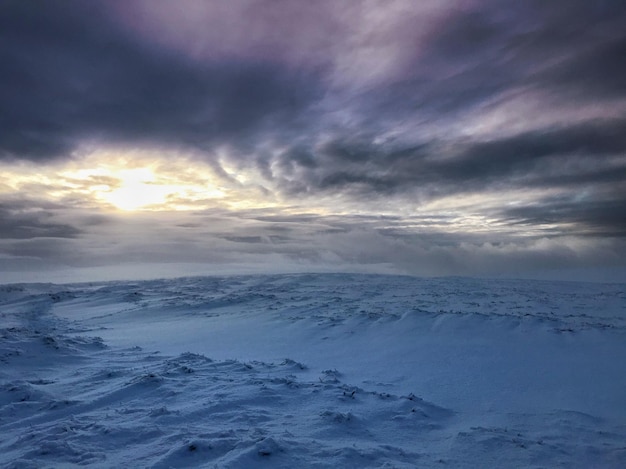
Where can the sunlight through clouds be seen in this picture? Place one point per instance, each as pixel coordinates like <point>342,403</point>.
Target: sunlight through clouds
<point>144,188</point>
<point>137,190</point>
<point>127,184</point>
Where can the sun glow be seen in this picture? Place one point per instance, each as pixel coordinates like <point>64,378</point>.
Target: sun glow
<point>122,180</point>
<point>146,189</point>
<point>148,183</point>
<point>137,189</point>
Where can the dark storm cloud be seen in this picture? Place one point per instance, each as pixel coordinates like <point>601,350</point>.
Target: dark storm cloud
<point>75,72</point>
<point>569,54</point>
<point>588,156</point>
<point>245,239</point>
<point>598,72</point>
<point>70,74</point>
<point>572,49</point>
<point>593,68</point>
<point>20,222</point>
<point>301,218</point>
<point>608,176</point>
<point>530,157</point>
<point>544,157</point>
<point>48,249</point>
<point>475,56</point>
<point>602,217</point>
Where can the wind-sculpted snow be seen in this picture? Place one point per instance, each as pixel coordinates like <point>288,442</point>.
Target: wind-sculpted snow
<point>313,371</point>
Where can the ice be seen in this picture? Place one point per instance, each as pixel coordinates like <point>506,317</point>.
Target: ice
<point>315,370</point>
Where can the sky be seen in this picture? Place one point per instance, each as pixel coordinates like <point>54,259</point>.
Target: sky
<point>153,138</point>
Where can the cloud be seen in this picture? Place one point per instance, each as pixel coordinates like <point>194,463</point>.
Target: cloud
<point>219,241</point>
<point>257,76</point>
<point>589,153</point>
<point>489,135</point>
<point>77,76</point>
<point>20,221</point>
<point>594,217</point>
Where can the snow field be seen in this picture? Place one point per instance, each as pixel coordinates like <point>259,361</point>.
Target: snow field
<point>313,371</point>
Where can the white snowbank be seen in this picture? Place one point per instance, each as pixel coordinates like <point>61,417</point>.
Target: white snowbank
<point>313,371</point>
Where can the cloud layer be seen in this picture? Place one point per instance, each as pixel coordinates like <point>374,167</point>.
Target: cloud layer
<point>444,137</point>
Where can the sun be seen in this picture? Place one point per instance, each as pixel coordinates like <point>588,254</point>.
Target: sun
<point>138,189</point>
<point>111,181</point>
<point>145,184</point>
<point>145,189</point>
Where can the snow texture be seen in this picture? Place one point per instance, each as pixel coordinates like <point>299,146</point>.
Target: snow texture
<point>313,371</point>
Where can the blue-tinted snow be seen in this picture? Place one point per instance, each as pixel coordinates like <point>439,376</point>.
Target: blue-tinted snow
<point>313,371</point>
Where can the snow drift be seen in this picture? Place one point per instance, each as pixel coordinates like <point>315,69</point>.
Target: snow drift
<point>313,371</point>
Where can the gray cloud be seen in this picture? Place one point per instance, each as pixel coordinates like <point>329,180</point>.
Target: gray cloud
<point>595,217</point>
<point>46,250</point>
<point>245,239</point>
<point>18,223</point>
<point>75,75</point>
<point>329,101</point>
<point>78,73</point>
<point>225,242</point>
<point>582,153</point>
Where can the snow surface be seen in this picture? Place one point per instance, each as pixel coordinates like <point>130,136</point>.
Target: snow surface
<point>328,370</point>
